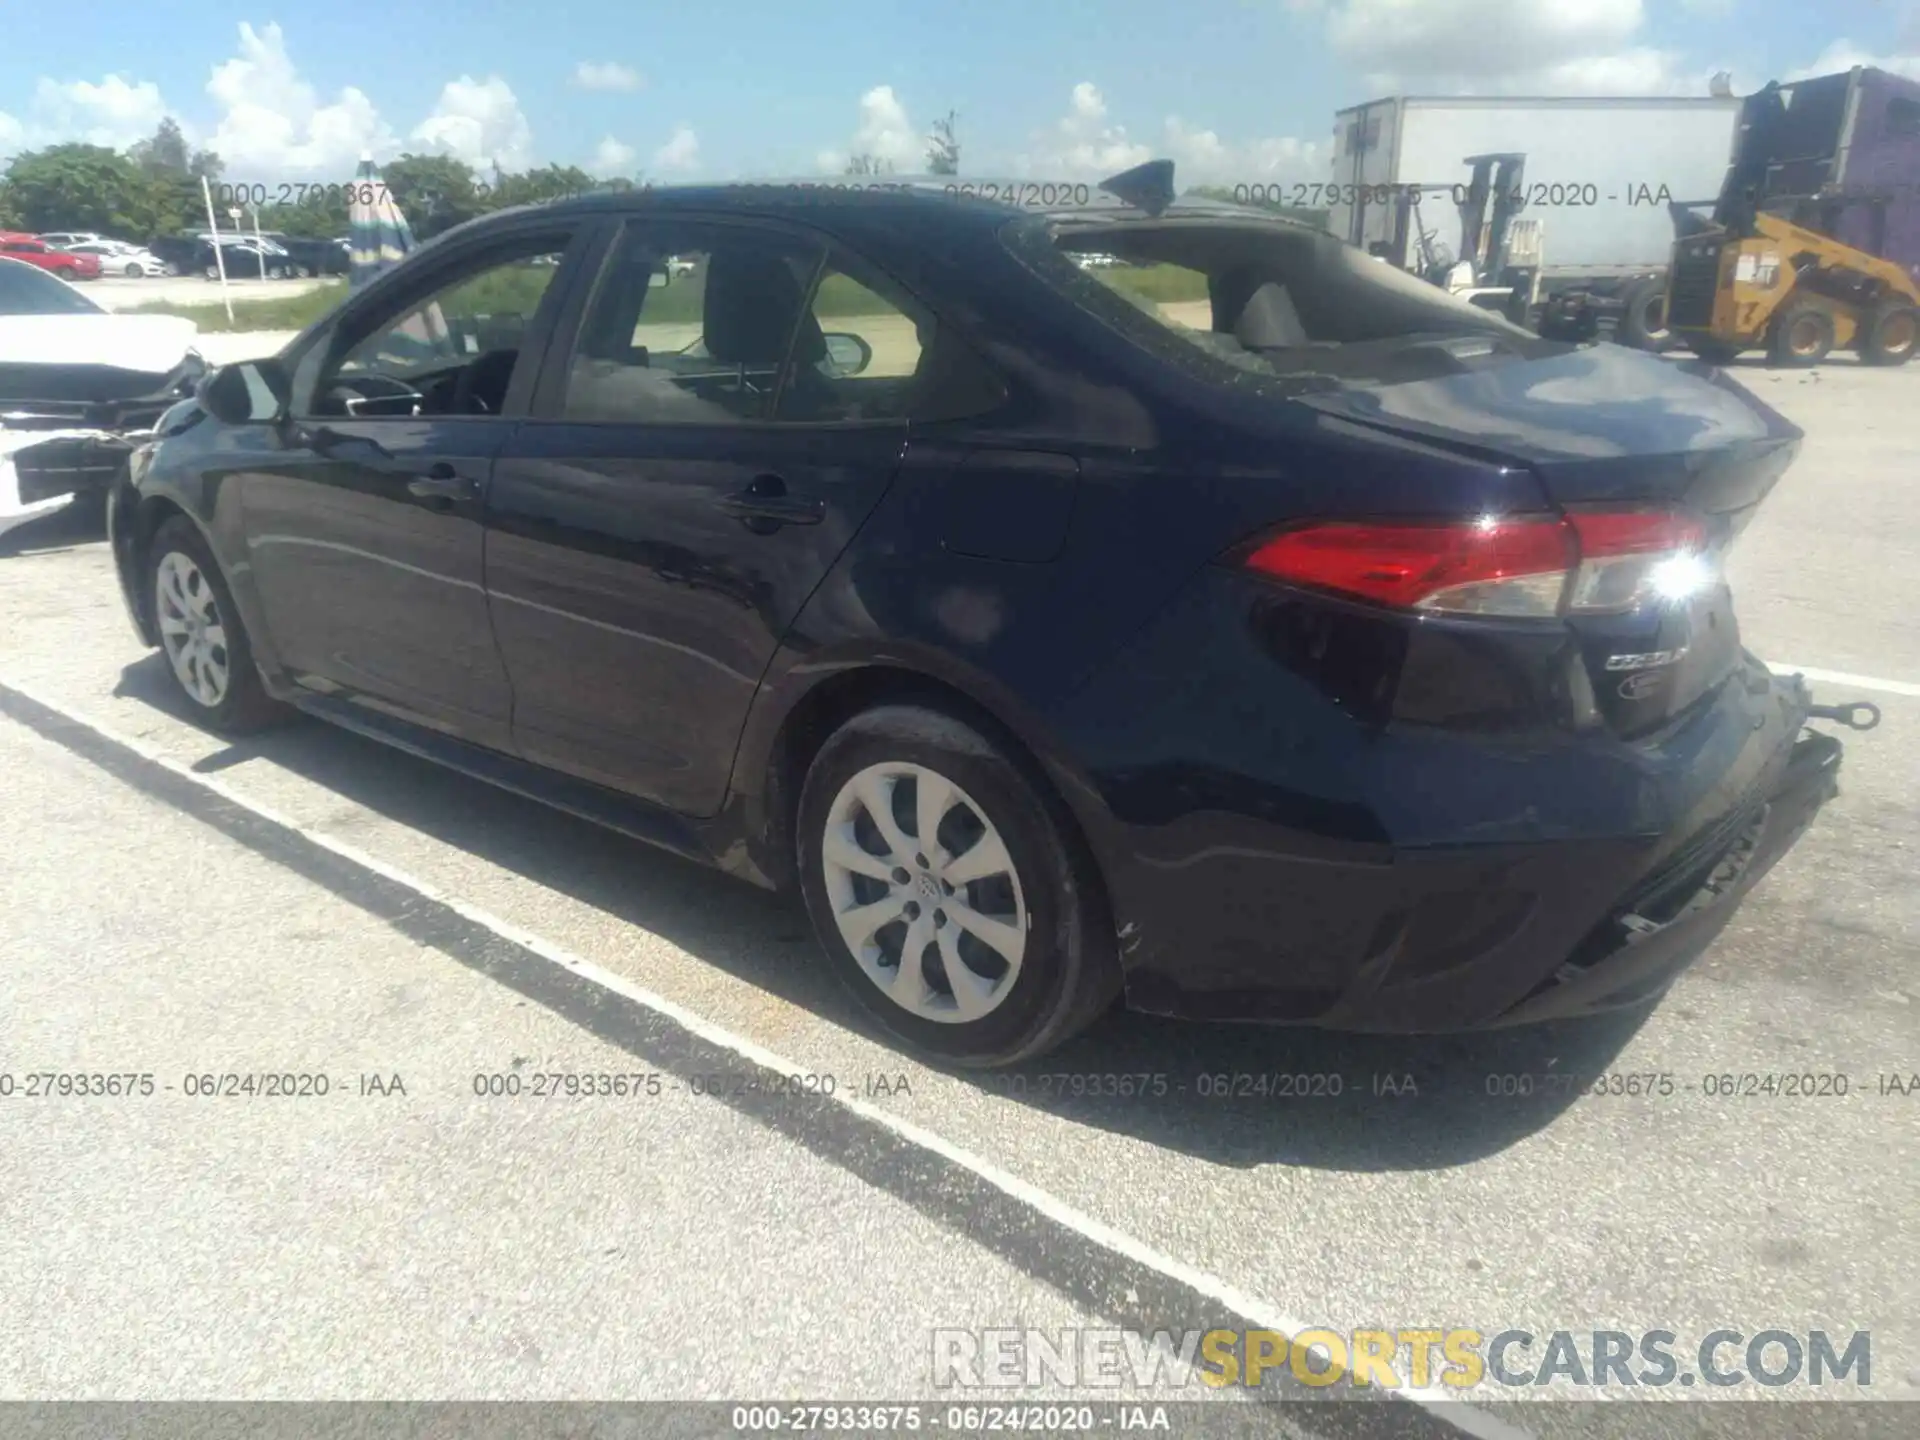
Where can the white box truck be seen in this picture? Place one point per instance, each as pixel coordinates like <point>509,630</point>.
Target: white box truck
<point>1597,177</point>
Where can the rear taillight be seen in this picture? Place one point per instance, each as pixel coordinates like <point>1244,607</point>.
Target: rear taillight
<point>1587,562</point>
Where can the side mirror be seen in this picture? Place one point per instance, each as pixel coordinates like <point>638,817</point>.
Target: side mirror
<point>846,354</point>
<point>247,392</point>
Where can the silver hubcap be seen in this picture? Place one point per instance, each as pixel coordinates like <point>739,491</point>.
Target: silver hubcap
<point>190,628</point>
<point>924,892</point>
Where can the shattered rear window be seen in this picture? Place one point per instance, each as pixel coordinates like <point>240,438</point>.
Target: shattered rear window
<point>1326,314</point>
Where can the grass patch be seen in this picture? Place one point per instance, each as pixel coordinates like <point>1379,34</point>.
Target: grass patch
<point>289,312</point>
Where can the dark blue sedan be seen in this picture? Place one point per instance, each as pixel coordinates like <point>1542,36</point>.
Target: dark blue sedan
<point>1236,623</point>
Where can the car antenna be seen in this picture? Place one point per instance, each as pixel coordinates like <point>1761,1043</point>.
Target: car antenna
<point>1147,187</point>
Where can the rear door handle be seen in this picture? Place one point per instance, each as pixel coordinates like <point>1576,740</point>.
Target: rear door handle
<point>766,500</point>
<point>443,482</point>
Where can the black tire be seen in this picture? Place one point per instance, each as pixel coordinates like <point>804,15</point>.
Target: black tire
<point>1801,335</point>
<point>135,272</point>
<point>245,706</point>
<point>1643,320</point>
<point>1891,334</point>
<point>1714,352</point>
<point>1069,969</point>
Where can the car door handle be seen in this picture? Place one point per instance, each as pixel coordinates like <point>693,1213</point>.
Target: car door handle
<point>443,482</point>
<point>766,500</point>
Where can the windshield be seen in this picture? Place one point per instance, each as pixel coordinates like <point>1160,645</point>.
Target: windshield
<point>28,290</point>
<point>1254,301</point>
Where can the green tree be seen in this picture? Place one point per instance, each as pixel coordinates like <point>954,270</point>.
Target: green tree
<point>943,147</point>
<point>531,187</point>
<point>435,192</point>
<point>172,171</point>
<point>164,152</point>
<point>86,187</point>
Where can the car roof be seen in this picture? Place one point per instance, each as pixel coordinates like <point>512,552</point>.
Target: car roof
<point>1139,196</point>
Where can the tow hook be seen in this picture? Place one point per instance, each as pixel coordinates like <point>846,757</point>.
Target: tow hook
<point>1855,715</point>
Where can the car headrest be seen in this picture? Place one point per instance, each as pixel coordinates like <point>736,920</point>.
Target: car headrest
<point>1268,321</point>
<point>753,300</point>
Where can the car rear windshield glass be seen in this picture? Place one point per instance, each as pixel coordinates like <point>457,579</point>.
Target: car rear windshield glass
<point>1253,303</point>
<point>25,290</point>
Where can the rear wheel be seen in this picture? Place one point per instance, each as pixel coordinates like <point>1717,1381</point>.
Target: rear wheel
<point>1643,321</point>
<point>201,634</point>
<point>954,898</point>
<point>1801,335</point>
<point>1892,334</point>
<point>134,272</point>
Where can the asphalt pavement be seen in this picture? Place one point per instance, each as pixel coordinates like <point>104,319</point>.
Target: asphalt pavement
<point>309,904</point>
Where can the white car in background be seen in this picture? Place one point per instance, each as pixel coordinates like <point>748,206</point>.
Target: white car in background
<point>119,258</point>
<point>65,239</point>
<point>79,389</point>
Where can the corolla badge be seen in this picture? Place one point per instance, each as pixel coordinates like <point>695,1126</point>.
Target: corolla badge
<point>1639,687</point>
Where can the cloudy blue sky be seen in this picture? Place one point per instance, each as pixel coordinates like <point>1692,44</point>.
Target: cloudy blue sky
<point>1232,89</point>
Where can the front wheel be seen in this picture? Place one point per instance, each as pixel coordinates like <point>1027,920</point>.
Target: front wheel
<point>134,272</point>
<point>1801,335</point>
<point>951,892</point>
<point>201,634</point>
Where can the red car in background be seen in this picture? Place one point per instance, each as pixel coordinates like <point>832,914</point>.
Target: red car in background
<point>35,251</point>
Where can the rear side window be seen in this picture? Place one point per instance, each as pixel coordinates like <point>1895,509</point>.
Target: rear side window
<point>861,355</point>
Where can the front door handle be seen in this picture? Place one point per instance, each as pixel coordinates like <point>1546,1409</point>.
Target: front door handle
<point>443,482</point>
<point>766,505</point>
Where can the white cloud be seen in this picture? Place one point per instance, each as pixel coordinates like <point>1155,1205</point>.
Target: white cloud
<point>1082,142</point>
<point>611,158</point>
<point>272,123</point>
<point>1086,142</point>
<point>884,132</point>
<point>115,113</point>
<point>480,122</point>
<point>1844,55</point>
<point>681,152</point>
<point>1508,46</point>
<point>606,75</point>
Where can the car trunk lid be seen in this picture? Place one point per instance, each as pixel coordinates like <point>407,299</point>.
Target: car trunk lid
<point>1608,429</point>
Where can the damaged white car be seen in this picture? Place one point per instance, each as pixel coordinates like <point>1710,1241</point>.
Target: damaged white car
<point>79,389</point>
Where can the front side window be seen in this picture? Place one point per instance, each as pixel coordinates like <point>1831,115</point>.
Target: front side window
<point>690,325</point>
<point>453,352</point>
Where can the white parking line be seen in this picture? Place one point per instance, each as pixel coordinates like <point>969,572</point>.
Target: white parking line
<point>1444,1405</point>
<point>1841,677</point>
